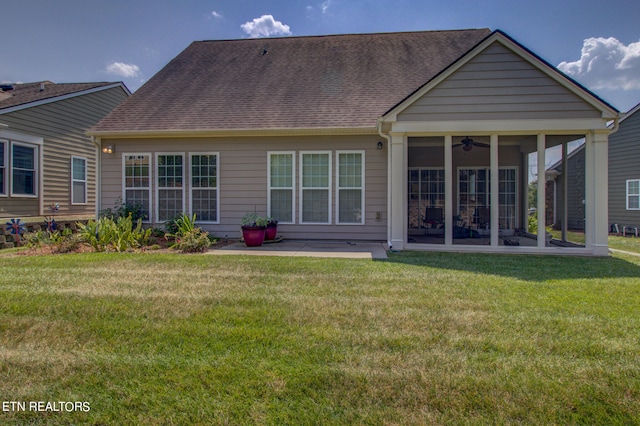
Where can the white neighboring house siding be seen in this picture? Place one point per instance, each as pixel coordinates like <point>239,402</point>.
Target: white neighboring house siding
<point>243,185</point>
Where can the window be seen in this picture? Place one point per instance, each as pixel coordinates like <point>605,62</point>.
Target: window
<point>426,190</point>
<point>23,163</point>
<point>281,172</point>
<point>350,187</point>
<point>78,180</point>
<point>137,182</point>
<point>170,198</point>
<point>204,187</point>
<point>3,167</point>
<point>633,194</point>
<point>315,187</point>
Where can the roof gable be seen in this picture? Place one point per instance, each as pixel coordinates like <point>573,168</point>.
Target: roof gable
<point>27,95</point>
<point>342,81</point>
<point>500,78</point>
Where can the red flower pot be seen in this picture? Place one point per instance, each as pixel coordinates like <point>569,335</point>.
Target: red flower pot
<point>270,233</point>
<point>253,235</point>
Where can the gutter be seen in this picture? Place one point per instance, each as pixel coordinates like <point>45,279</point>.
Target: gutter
<point>389,209</point>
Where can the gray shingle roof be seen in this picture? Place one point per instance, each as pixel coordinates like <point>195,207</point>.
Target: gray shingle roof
<point>26,93</point>
<point>339,81</point>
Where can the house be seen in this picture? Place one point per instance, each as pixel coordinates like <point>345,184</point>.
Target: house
<point>624,175</point>
<point>392,137</point>
<point>45,155</point>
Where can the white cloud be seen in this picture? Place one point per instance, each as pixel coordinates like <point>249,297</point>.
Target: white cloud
<point>123,70</point>
<point>216,14</point>
<point>325,5</point>
<point>606,63</point>
<point>265,26</point>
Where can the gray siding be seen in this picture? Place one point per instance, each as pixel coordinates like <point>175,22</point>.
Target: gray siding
<point>624,156</point>
<point>243,180</point>
<point>62,125</point>
<point>497,85</point>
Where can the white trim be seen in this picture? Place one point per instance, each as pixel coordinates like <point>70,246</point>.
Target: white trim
<point>634,195</point>
<point>500,127</point>
<point>328,188</point>
<point>361,188</point>
<point>21,137</point>
<point>157,182</point>
<point>189,185</point>
<point>36,170</point>
<point>84,181</point>
<point>292,188</point>
<point>5,168</point>
<point>133,188</point>
<point>63,97</point>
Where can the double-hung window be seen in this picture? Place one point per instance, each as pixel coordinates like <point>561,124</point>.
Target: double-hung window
<point>24,159</point>
<point>281,177</point>
<point>137,182</point>
<point>633,194</point>
<point>170,173</point>
<point>204,187</point>
<point>4,150</point>
<point>315,187</point>
<point>350,187</point>
<point>78,180</point>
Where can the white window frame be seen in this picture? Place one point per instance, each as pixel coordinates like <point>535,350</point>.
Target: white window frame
<point>4,192</point>
<point>361,187</point>
<point>192,188</point>
<point>302,188</point>
<point>84,181</point>
<point>627,195</point>
<point>159,188</point>
<point>148,189</point>
<point>292,188</point>
<point>36,169</point>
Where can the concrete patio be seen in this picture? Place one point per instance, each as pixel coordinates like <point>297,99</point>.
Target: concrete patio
<point>299,248</point>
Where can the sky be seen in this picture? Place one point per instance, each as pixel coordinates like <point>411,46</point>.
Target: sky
<point>597,43</point>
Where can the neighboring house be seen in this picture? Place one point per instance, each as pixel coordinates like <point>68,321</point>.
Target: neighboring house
<point>46,157</point>
<point>389,136</point>
<point>624,173</point>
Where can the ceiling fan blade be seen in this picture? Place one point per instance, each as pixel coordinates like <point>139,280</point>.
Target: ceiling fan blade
<point>482,145</point>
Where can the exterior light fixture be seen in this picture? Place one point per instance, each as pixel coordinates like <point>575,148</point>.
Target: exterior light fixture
<point>380,144</point>
<point>108,149</point>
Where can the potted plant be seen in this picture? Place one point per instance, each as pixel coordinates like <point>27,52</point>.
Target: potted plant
<point>253,229</point>
<point>272,229</point>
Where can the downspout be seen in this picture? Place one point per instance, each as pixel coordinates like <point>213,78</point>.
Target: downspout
<point>98,143</point>
<point>389,209</point>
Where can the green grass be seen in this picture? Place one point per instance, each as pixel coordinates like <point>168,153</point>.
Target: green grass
<point>419,339</point>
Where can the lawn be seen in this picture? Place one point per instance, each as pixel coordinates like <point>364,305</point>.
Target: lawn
<point>418,339</point>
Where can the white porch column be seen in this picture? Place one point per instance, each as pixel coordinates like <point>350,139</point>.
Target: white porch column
<point>495,188</point>
<point>542,180</point>
<point>398,176</point>
<point>448,190</point>
<point>596,193</point>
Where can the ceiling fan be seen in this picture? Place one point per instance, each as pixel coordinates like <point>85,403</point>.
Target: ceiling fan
<point>467,143</point>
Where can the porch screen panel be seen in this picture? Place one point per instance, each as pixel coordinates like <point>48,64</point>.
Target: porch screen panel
<point>316,188</point>
<point>170,186</point>
<point>474,194</point>
<point>350,187</point>
<point>508,200</point>
<point>137,182</point>
<point>281,186</point>
<point>204,187</point>
<point>3,167</point>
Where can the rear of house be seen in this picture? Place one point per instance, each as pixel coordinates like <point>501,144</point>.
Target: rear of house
<point>45,155</point>
<point>422,139</point>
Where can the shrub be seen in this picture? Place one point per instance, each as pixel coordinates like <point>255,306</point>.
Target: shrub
<point>59,242</point>
<point>532,224</point>
<point>123,210</point>
<point>105,234</point>
<point>193,241</point>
